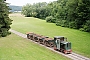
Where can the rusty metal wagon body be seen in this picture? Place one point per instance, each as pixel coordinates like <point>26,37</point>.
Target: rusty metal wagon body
<point>49,42</point>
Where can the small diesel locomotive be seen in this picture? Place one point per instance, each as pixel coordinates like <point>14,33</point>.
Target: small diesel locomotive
<point>58,43</point>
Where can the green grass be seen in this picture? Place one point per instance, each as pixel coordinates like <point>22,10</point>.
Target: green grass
<point>80,40</point>
<point>14,47</point>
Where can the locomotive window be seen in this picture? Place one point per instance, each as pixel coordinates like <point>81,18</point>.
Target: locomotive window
<point>62,46</point>
<point>57,41</point>
<point>68,45</point>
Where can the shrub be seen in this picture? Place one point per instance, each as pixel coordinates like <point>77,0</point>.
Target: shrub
<point>73,25</point>
<point>50,19</point>
<point>81,29</point>
<point>87,26</point>
<point>58,22</point>
<point>62,23</point>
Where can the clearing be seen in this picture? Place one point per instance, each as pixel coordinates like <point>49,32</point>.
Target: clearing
<point>80,40</point>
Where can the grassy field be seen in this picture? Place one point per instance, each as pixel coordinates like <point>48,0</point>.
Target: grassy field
<point>14,47</point>
<point>80,40</point>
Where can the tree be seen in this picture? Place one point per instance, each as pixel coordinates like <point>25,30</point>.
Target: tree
<point>38,10</point>
<point>83,12</point>
<point>72,14</point>
<point>78,13</point>
<point>5,21</point>
<point>27,10</point>
<point>66,13</point>
<point>61,15</point>
<point>87,26</point>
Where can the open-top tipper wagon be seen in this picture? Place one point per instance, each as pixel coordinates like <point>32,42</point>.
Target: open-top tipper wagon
<point>36,37</point>
<point>49,42</point>
<point>41,39</point>
<point>30,35</point>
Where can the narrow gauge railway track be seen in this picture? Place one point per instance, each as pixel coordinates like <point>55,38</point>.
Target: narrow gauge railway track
<point>72,56</point>
<point>75,56</point>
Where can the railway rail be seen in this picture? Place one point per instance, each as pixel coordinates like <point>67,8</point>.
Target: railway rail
<point>72,56</point>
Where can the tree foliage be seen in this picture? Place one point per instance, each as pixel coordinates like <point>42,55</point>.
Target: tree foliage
<point>5,21</point>
<point>50,19</point>
<point>38,10</point>
<point>66,13</point>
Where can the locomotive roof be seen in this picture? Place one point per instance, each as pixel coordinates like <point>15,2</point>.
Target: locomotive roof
<point>64,42</point>
<point>59,37</point>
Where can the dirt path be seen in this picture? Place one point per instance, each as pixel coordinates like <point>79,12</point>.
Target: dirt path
<point>72,56</point>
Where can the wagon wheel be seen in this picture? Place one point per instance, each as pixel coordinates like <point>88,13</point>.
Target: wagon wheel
<point>55,48</point>
<point>45,43</point>
<point>65,52</point>
<point>51,45</point>
<point>36,39</point>
<point>31,38</point>
<point>27,36</point>
<point>42,42</point>
<point>39,40</point>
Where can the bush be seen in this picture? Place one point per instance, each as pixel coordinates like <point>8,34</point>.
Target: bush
<point>50,19</point>
<point>58,22</point>
<point>81,29</point>
<point>87,26</point>
<point>73,25</point>
<point>62,23</point>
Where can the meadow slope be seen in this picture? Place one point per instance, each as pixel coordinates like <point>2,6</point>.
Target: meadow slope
<point>80,40</point>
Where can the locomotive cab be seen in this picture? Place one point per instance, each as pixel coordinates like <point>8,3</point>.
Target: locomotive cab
<point>61,44</point>
<point>65,47</point>
<point>57,41</point>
